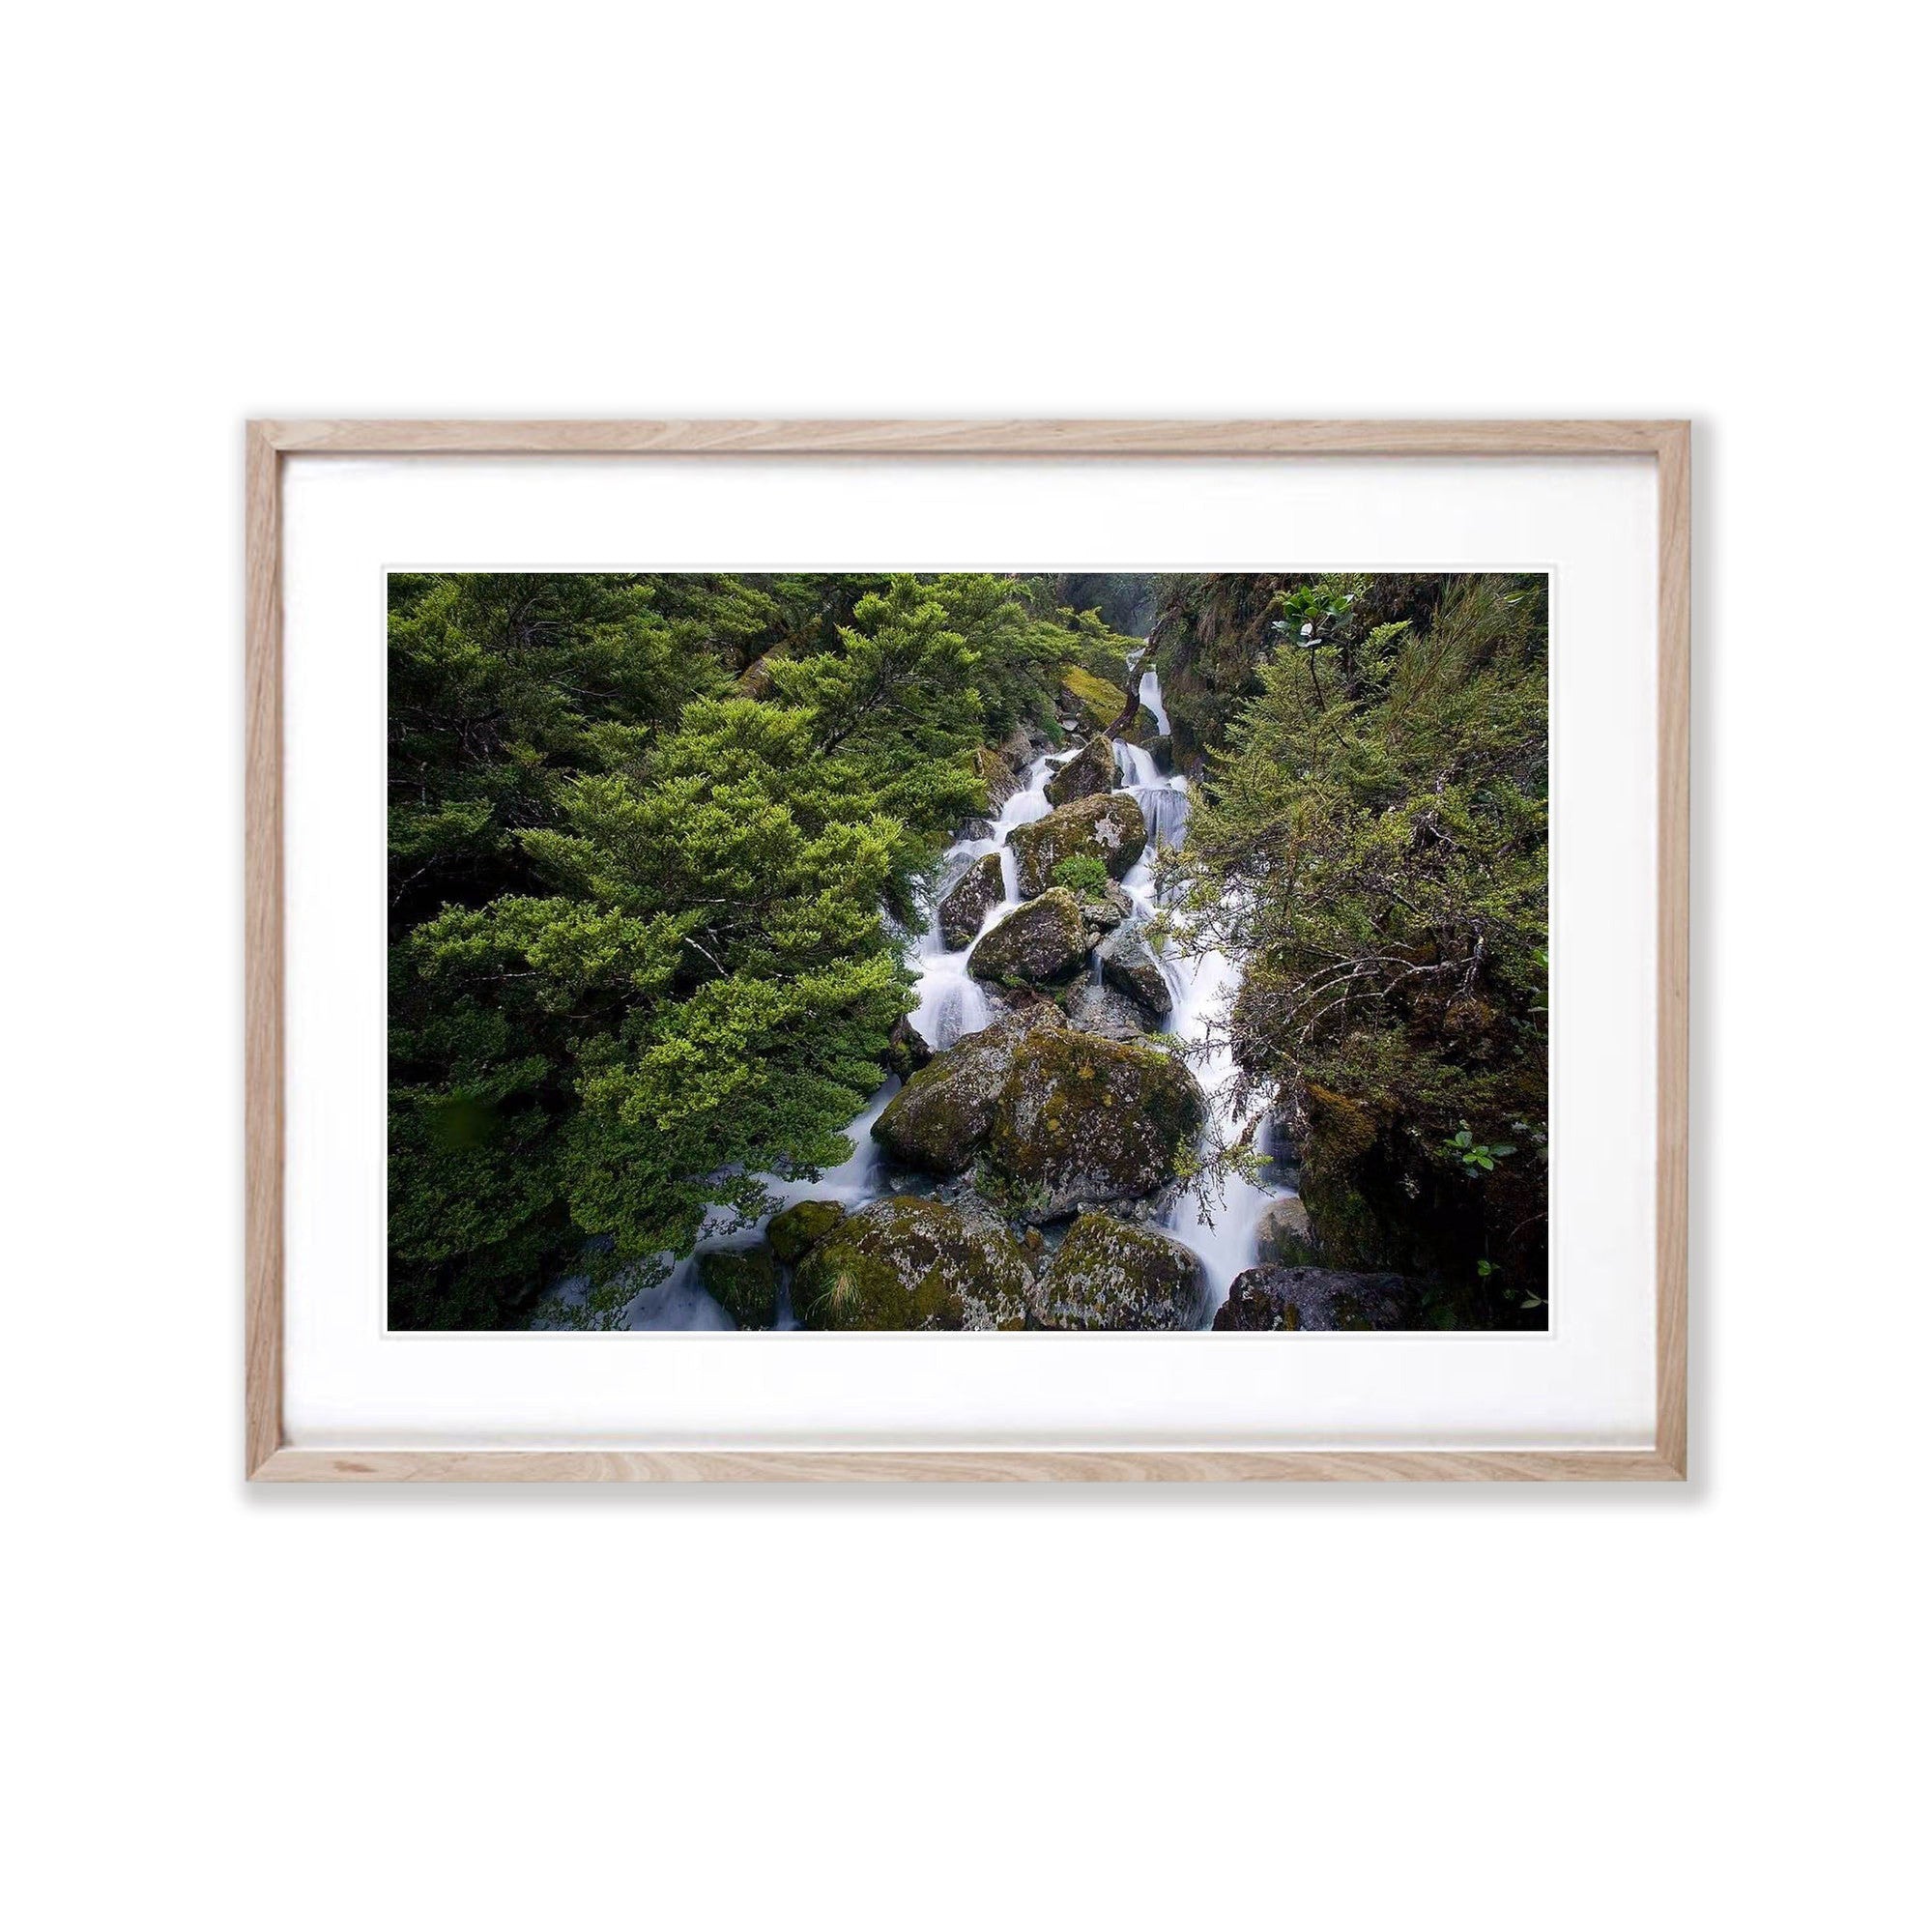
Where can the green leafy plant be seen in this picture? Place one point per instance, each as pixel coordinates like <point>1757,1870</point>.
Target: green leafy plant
<point>1477,1156</point>
<point>1084,874</point>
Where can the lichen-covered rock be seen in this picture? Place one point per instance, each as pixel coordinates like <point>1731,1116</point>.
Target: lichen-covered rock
<point>909,1263</point>
<point>1108,1275</point>
<point>1040,943</point>
<point>979,890</point>
<point>998,777</point>
<point>1083,1120</point>
<point>1273,1297</point>
<point>1093,1008</point>
<point>1110,826</point>
<point>937,1120</point>
<point>743,1281</point>
<point>796,1228</point>
<point>1127,963</point>
<point>1100,916</point>
<point>1094,770</point>
<point>1282,1235</point>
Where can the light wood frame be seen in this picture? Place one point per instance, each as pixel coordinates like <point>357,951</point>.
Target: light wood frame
<point>269,1458</point>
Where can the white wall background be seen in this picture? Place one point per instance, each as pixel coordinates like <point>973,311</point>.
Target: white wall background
<point>1385,1709</point>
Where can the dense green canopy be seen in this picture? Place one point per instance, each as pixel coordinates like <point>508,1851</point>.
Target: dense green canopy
<point>655,843</point>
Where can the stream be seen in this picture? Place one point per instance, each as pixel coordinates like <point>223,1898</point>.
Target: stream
<point>952,1004</point>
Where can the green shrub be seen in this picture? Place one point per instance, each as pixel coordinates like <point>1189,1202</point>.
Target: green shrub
<point>1084,874</point>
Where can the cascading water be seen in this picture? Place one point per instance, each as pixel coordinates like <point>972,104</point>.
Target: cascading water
<point>952,1004</point>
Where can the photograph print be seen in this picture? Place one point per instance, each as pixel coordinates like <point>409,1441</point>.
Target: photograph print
<point>968,951</point>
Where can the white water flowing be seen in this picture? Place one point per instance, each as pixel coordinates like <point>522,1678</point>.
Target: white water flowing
<point>950,1004</point>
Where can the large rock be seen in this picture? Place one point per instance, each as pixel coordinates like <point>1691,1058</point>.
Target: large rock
<point>1110,828</point>
<point>906,1048</point>
<point>1282,1235</point>
<point>1127,963</point>
<point>1093,1008</point>
<point>998,777</point>
<point>1022,746</point>
<point>907,1263</point>
<point>937,1119</point>
<point>1101,915</point>
<point>743,1281</point>
<point>1080,1119</point>
<point>794,1229</point>
<point>1273,1297</point>
<point>1040,943</point>
<point>1095,770</point>
<point>980,889</point>
<point>1108,1275</point>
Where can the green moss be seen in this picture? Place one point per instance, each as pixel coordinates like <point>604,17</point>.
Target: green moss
<point>800,1226</point>
<point>904,1264</point>
<point>1110,1276</point>
<point>1095,697</point>
<point>743,1281</point>
<point>1086,1118</point>
<point>937,1119</point>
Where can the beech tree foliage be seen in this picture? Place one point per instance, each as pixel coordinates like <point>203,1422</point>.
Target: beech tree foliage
<point>654,851</point>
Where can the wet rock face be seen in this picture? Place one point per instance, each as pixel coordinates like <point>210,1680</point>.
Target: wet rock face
<point>998,777</point>
<point>1091,1008</point>
<point>1282,1235</point>
<point>1083,1120</point>
<point>795,1230</point>
<point>907,1263</point>
<point>1096,769</point>
<point>1109,1276</point>
<point>1041,943</point>
<point>937,1120</point>
<point>979,890</point>
<point>906,1048</point>
<point>1274,1297</point>
<point>1110,828</point>
<point>1127,964</point>
<point>743,1281</point>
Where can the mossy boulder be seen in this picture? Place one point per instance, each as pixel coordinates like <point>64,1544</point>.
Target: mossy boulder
<point>907,1263</point>
<point>1282,1235</point>
<point>1092,770</point>
<point>1080,1119</point>
<point>937,1119</point>
<point>743,1281</point>
<point>1112,1275</point>
<point>1111,826</point>
<point>980,889</point>
<point>1271,1297</point>
<point>796,1229</point>
<point>1128,964</point>
<point>1040,943</point>
<point>998,777</point>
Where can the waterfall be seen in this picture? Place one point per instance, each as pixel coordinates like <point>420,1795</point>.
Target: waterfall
<point>950,1004</point>
<point>1150,697</point>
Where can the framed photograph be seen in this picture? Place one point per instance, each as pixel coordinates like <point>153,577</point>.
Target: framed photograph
<point>968,951</point>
